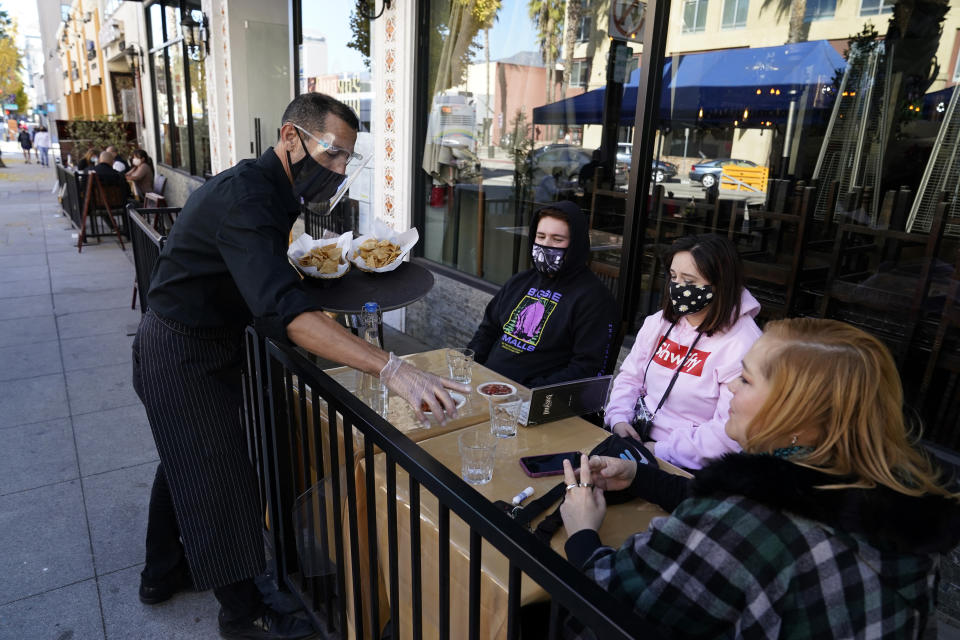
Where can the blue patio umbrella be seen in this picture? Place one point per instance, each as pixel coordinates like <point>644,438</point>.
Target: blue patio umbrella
<point>716,87</point>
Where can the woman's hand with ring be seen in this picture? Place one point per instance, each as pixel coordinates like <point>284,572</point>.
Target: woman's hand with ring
<point>584,506</point>
<point>613,474</point>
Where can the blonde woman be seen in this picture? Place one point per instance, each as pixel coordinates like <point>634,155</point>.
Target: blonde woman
<point>829,524</point>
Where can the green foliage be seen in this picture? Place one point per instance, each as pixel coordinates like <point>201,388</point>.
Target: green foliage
<point>520,151</point>
<point>10,82</point>
<point>99,134</point>
<point>360,28</point>
<point>547,16</point>
<point>20,97</point>
<point>455,31</point>
<point>867,40</point>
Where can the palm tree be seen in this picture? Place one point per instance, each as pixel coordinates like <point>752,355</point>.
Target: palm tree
<point>574,15</point>
<point>547,16</point>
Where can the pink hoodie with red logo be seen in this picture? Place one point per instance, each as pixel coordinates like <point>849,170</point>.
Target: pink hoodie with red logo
<point>689,427</point>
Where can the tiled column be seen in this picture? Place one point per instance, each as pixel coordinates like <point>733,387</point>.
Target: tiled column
<point>219,86</point>
<point>393,37</point>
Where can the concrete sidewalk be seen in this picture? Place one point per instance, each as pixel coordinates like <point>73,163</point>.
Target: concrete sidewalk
<point>77,454</point>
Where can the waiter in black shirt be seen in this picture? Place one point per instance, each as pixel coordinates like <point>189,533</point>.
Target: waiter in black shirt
<point>223,266</point>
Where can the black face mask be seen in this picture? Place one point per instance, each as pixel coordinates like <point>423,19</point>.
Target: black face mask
<point>690,298</point>
<point>313,182</point>
<point>547,260</point>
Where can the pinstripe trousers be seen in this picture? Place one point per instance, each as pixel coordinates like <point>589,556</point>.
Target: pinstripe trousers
<point>189,382</point>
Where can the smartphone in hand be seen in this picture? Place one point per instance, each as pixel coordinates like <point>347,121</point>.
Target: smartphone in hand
<point>548,464</point>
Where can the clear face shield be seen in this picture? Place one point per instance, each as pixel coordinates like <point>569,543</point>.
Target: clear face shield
<point>317,179</point>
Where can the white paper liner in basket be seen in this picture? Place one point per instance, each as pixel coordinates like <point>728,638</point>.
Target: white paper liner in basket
<point>405,240</point>
<point>305,243</point>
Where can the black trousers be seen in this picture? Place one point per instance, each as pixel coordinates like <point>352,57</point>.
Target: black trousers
<point>164,552</point>
<point>205,493</point>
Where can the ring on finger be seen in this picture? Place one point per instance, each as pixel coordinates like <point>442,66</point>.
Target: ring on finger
<point>587,485</point>
<point>572,486</point>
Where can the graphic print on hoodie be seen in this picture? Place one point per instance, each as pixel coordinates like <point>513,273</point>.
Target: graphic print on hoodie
<point>671,354</point>
<point>528,319</point>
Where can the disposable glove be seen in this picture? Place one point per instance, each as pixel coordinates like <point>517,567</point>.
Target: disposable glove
<point>418,387</point>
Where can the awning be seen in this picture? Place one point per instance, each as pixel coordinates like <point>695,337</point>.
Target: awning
<point>717,86</point>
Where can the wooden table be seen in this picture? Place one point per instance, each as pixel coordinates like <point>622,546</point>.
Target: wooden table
<point>509,479</point>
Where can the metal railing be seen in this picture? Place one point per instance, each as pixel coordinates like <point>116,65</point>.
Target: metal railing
<point>147,229</point>
<point>74,187</point>
<point>302,426</point>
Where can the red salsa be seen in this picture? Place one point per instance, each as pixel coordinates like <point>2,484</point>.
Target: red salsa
<point>494,389</point>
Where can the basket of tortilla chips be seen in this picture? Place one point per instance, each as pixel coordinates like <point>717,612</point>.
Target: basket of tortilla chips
<point>382,250</point>
<point>324,258</point>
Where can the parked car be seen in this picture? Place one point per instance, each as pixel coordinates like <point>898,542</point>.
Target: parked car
<point>662,170</point>
<point>568,158</point>
<point>708,173</point>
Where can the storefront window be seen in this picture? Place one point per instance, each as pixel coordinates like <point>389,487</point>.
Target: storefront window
<point>826,160</point>
<point>512,120</point>
<point>179,89</point>
<point>337,61</point>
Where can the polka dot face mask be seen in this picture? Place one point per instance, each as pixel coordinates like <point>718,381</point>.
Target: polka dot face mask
<point>690,298</point>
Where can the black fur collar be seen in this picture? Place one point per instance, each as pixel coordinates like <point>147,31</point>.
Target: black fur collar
<point>887,519</point>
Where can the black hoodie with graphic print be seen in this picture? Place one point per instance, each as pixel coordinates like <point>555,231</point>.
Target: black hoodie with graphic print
<point>540,329</point>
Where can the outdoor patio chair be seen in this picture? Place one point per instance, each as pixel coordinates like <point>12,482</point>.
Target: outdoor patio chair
<point>772,247</point>
<point>101,201</point>
<point>154,199</point>
<point>880,280</point>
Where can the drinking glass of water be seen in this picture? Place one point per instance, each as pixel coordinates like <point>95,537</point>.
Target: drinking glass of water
<point>477,453</point>
<point>460,363</point>
<point>504,414</point>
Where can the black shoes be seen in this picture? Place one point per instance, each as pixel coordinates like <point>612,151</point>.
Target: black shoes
<point>270,625</point>
<point>157,592</point>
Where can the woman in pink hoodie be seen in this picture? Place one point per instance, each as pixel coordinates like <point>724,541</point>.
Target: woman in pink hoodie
<point>672,387</point>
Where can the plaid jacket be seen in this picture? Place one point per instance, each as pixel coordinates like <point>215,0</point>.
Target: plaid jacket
<point>744,558</point>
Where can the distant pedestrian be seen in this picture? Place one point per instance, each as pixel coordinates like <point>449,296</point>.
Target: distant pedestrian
<point>42,142</point>
<point>26,144</point>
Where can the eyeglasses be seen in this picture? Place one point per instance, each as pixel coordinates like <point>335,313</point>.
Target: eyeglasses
<point>332,152</point>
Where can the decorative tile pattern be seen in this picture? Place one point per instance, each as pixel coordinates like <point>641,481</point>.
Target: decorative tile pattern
<point>390,82</point>
<point>231,158</point>
<point>219,104</point>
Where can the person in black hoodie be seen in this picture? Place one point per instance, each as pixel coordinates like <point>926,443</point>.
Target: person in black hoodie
<point>555,321</point>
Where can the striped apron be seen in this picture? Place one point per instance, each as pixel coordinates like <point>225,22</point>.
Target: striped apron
<point>189,382</point>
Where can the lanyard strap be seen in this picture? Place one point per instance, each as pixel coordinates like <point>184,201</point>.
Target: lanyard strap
<point>676,372</point>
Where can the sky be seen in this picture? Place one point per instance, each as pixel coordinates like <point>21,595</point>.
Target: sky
<point>512,33</point>
<point>25,13</point>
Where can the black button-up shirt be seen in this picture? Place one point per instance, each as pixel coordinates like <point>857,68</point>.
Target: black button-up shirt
<point>225,261</point>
